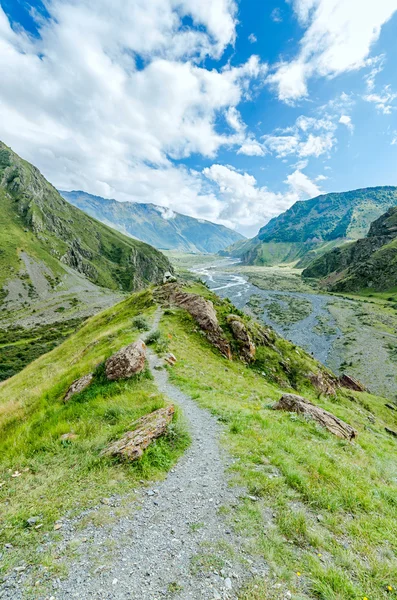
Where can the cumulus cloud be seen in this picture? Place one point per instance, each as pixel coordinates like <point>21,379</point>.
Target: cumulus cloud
<point>252,38</point>
<point>338,37</point>
<point>251,148</point>
<point>107,99</point>
<point>254,205</point>
<point>346,120</point>
<point>300,141</point>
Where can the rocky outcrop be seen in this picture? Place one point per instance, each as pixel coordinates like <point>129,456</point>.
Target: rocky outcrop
<point>302,406</point>
<point>324,383</point>
<point>241,335</point>
<point>146,429</point>
<point>347,381</point>
<point>78,386</point>
<point>202,311</point>
<point>127,362</point>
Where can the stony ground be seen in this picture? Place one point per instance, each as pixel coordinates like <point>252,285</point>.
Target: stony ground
<point>171,540</point>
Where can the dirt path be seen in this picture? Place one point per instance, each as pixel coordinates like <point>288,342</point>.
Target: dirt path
<point>164,550</point>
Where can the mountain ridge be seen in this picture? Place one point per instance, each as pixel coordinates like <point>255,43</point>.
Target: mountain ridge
<point>163,228</point>
<point>370,262</point>
<point>312,227</point>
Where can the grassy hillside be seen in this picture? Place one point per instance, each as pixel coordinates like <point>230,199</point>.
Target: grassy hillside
<point>37,220</point>
<point>312,227</point>
<point>368,263</point>
<point>320,511</point>
<point>160,227</point>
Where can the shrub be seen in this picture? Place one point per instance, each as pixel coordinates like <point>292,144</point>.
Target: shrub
<point>140,323</point>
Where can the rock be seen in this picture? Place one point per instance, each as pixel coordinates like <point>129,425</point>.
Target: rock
<point>300,405</point>
<point>350,383</point>
<point>391,406</point>
<point>391,431</point>
<point>170,359</point>
<point>324,383</point>
<point>127,362</point>
<point>228,583</point>
<point>32,521</point>
<point>57,526</point>
<point>147,429</point>
<point>78,386</point>
<point>241,335</point>
<point>169,277</point>
<point>204,314</point>
<point>68,436</point>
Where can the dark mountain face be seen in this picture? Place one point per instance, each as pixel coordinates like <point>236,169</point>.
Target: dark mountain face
<point>367,263</point>
<point>312,227</point>
<point>158,226</point>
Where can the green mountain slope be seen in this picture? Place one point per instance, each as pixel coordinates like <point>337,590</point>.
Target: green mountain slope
<point>311,227</point>
<point>367,263</point>
<point>48,246</point>
<point>160,227</point>
<point>313,502</point>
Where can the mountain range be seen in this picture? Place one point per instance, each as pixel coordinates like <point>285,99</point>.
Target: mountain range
<point>49,249</point>
<point>312,227</point>
<point>161,227</point>
<point>370,262</point>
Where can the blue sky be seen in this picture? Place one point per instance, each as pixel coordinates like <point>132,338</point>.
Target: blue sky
<point>228,111</point>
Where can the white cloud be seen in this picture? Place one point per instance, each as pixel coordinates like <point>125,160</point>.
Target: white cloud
<point>252,38</point>
<point>251,148</point>
<point>104,100</point>
<point>300,141</point>
<point>275,15</point>
<point>315,145</point>
<point>251,204</point>
<point>338,38</point>
<point>321,178</point>
<point>376,63</point>
<point>383,101</point>
<point>346,120</point>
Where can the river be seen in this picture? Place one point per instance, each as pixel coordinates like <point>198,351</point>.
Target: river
<point>302,318</point>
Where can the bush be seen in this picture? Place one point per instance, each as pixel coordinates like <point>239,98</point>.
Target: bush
<point>153,337</point>
<point>140,323</point>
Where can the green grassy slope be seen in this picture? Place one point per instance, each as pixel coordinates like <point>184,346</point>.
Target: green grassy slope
<point>160,227</point>
<point>319,506</point>
<point>35,218</point>
<point>309,227</point>
<point>368,263</point>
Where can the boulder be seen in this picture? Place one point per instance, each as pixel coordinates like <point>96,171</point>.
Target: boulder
<point>170,359</point>
<point>127,362</point>
<point>350,383</point>
<point>302,406</point>
<point>241,335</point>
<point>146,429</point>
<point>78,386</point>
<point>169,277</point>
<point>324,383</point>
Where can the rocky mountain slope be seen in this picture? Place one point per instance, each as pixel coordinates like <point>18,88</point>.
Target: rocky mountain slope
<point>303,502</point>
<point>49,248</point>
<point>367,263</point>
<point>162,228</point>
<point>311,227</point>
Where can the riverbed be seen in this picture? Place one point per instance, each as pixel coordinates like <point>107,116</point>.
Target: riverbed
<point>355,336</point>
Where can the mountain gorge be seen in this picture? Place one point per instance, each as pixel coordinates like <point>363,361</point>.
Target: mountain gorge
<point>370,262</point>
<point>161,227</point>
<point>312,227</point>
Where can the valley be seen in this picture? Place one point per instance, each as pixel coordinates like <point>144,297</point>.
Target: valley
<point>356,335</point>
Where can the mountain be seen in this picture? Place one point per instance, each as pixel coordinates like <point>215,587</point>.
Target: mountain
<point>49,249</point>
<point>161,227</point>
<point>311,227</point>
<point>367,263</point>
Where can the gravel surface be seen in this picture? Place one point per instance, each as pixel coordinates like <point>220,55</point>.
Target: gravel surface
<point>157,547</point>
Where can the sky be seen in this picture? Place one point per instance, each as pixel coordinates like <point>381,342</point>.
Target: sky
<point>224,110</point>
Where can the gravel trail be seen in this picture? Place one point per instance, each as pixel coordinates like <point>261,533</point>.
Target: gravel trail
<point>156,546</point>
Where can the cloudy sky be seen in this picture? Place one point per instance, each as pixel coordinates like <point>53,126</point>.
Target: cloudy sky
<point>224,110</point>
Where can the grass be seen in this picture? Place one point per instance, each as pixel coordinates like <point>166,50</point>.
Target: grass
<point>20,346</point>
<point>56,477</point>
<point>331,503</point>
